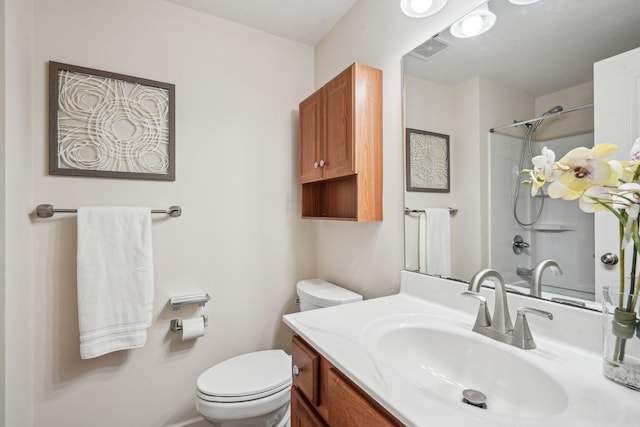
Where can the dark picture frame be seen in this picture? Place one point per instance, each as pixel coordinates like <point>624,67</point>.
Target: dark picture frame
<point>427,161</point>
<point>104,124</point>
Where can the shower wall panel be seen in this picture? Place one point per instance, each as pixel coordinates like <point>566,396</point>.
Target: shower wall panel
<point>565,233</point>
<point>504,155</point>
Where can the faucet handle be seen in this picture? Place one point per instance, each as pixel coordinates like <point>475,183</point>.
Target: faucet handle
<point>523,271</point>
<point>483,318</point>
<point>522,337</point>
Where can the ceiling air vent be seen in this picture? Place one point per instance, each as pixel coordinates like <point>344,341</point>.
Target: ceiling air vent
<point>429,49</point>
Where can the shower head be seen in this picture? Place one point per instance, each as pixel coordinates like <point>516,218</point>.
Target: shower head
<point>533,124</point>
<point>554,110</point>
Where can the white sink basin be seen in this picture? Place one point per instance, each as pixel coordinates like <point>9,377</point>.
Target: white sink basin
<point>444,358</point>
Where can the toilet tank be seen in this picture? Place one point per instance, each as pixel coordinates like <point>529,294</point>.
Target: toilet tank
<point>317,293</point>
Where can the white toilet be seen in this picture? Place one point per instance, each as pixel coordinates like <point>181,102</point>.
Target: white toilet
<point>253,389</point>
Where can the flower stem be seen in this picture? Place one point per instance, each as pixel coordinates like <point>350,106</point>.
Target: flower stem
<point>632,278</point>
<point>622,266</point>
<point>616,349</point>
<point>618,352</point>
<point>632,285</point>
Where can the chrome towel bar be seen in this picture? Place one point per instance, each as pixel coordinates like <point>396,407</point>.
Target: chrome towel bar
<point>47,211</point>
<point>408,211</point>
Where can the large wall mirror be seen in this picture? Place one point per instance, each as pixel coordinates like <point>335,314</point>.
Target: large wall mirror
<point>536,62</point>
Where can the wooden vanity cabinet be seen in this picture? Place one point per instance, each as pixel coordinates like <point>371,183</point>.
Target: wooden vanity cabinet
<point>341,147</point>
<point>302,413</point>
<point>322,396</point>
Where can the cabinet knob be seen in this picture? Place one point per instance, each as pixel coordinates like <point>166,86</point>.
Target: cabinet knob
<point>315,165</point>
<point>321,163</point>
<point>296,370</point>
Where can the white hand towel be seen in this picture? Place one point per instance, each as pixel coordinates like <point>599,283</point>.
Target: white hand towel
<point>435,242</point>
<point>115,279</point>
<point>423,243</point>
<point>411,240</point>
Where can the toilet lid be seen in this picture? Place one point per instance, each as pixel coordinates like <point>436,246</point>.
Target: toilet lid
<point>251,375</point>
<point>325,294</point>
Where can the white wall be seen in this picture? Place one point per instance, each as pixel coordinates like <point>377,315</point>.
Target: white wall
<point>430,106</point>
<point>575,123</point>
<point>368,257</point>
<point>17,199</point>
<point>240,237</point>
<point>454,111</point>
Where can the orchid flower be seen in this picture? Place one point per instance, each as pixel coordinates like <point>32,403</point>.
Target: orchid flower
<point>583,168</point>
<point>594,199</point>
<point>626,199</point>
<point>627,196</point>
<point>584,174</point>
<point>542,170</point>
<point>635,150</point>
<point>544,162</point>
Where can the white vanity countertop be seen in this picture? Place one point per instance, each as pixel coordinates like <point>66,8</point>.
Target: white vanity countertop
<point>339,334</point>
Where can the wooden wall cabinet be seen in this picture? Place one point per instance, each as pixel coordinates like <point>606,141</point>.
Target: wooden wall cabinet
<point>322,396</point>
<point>341,147</point>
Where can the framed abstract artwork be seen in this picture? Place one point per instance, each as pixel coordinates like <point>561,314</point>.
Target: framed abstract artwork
<point>427,162</point>
<point>104,124</point>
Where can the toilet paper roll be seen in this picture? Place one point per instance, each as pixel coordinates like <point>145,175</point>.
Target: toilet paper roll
<point>192,328</point>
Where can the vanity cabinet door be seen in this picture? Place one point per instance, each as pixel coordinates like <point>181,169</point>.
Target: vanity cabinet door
<point>306,370</point>
<point>303,415</point>
<point>349,406</point>
<point>311,125</point>
<point>322,396</point>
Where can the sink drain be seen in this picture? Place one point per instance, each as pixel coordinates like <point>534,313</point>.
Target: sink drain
<point>474,398</point>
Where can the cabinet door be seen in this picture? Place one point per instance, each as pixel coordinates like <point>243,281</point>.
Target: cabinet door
<point>348,406</point>
<point>306,366</point>
<point>338,150</point>
<point>311,138</point>
<point>302,414</point>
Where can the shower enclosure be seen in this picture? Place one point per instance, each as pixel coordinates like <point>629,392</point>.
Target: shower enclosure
<point>525,230</point>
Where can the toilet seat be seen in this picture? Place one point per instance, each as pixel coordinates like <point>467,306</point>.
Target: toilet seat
<point>246,377</point>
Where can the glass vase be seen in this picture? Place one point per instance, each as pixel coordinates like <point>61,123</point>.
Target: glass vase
<point>621,339</point>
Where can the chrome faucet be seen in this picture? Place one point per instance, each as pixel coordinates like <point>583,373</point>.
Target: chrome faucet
<point>500,327</point>
<point>536,280</point>
<point>501,322</point>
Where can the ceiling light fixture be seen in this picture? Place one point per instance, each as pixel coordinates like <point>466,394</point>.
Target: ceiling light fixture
<point>421,8</point>
<point>474,23</point>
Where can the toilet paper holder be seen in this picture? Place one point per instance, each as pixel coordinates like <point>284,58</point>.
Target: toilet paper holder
<point>176,324</point>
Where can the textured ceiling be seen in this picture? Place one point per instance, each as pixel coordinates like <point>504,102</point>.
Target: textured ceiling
<point>305,21</point>
<point>538,48</point>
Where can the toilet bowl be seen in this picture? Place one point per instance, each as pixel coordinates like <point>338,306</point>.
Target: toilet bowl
<point>253,389</point>
<point>247,390</point>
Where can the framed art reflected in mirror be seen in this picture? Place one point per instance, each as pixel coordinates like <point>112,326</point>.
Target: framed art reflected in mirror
<point>427,161</point>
